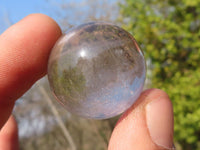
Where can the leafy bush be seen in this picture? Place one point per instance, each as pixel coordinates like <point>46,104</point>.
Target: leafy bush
<point>169,34</point>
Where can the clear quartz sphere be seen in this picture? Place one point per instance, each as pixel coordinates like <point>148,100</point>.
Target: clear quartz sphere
<point>96,70</point>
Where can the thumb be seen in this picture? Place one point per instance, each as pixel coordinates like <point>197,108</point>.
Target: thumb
<point>147,125</point>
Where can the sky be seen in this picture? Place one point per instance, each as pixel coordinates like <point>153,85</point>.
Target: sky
<point>11,11</point>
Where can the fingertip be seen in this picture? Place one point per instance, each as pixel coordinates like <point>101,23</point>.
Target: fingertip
<point>45,21</point>
<point>145,97</point>
<point>25,49</point>
<point>139,128</point>
<point>159,118</point>
<point>9,135</point>
<point>151,94</point>
<point>47,31</point>
<point>10,126</point>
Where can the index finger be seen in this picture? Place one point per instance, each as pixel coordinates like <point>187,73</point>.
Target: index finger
<point>24,49</point>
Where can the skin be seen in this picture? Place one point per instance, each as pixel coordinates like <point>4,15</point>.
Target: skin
<point>25,49</point>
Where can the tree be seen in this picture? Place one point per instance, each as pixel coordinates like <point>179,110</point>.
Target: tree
<point>169,33</point>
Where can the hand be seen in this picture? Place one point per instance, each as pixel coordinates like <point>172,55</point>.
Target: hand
<point>25,47</point>
<point>147,125</point>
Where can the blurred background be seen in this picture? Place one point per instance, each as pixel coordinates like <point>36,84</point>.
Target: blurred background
<point>167,31</point>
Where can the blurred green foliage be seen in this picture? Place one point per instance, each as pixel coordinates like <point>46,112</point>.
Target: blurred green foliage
<point>169,33</point>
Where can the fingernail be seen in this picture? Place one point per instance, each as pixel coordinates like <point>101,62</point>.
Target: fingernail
<point>159,116</point>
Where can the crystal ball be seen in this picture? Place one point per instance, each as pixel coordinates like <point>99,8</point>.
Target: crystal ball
<point>96,70</point>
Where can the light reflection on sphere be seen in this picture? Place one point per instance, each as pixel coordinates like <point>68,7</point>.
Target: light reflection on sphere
<point>96,70</point>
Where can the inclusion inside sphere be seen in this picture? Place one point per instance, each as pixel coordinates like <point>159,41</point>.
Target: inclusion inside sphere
<point>96,70</point>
